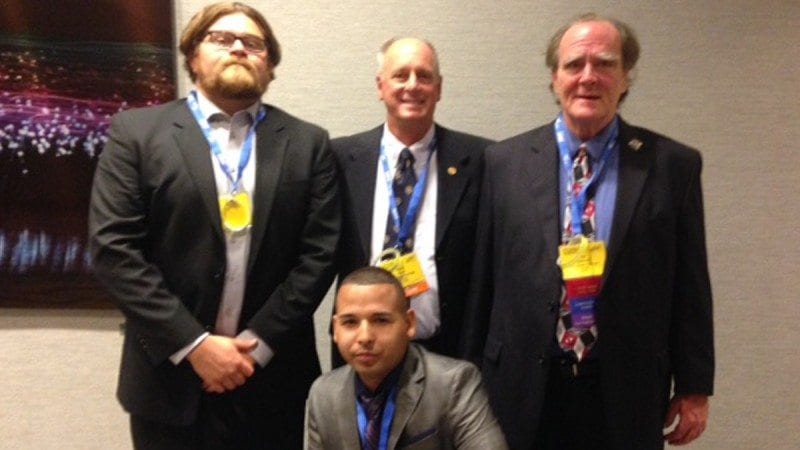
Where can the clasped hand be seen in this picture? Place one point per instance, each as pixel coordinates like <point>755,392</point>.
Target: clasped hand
<point>223,363</point>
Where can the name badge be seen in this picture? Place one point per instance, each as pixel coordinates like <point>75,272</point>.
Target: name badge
<point>406,268</point>
<point>582,258</point>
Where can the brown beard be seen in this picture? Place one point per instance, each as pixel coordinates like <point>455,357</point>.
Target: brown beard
<point>237,81</point>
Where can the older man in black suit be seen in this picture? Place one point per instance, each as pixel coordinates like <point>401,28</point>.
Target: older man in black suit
<point>438,227</point>
<point>213,224</point>
<point>591,310</point>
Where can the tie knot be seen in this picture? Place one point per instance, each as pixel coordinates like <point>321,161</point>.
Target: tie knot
<point>406,159</point>
<point>583,151</point>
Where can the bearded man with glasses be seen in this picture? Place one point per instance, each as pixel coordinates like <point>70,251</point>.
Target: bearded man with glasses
<point>213,223</point>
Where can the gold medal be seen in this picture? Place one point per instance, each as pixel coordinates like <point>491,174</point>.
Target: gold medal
<point>236,210</point>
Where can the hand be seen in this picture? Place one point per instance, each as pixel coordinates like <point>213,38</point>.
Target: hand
<point>693,412</point>
<point>223,363</point>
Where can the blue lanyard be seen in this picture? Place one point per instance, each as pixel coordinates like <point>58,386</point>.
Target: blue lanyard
<point>247,147</point>
<point>386,420</point>
<point>407,224</point>
<point>577,202</point>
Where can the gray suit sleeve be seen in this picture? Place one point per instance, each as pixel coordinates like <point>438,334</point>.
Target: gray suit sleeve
<point>313,437</point>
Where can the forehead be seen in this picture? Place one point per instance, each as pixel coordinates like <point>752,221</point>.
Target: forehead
<point>238,22</point>
<point>370,299</point>
<point>409,52</point>
<point>593,37</point>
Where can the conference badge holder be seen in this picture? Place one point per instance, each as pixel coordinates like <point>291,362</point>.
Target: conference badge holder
<point>406,268</point>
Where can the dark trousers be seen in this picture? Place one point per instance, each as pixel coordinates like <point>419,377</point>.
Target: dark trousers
<point>572,416</point>
<point>225,422</point>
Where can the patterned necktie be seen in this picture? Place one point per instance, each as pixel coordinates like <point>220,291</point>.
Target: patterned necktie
<point>574,336</point>
<point>402,186</point>
<point>373,409</point>
<point>582,174</point>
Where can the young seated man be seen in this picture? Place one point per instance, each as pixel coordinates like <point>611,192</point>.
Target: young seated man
<point>393,394</point>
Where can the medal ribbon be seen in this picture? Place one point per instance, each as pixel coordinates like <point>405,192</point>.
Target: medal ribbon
<point>577,202</point>
<point>247,146</point>
<point>414,203</point>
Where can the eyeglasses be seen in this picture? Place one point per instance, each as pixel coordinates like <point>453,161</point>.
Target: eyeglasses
<point>226,39</point>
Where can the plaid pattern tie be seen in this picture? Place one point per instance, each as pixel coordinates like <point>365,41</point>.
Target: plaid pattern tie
<point>373,408</point>
<point>402,186</point>
<point>576,338</point>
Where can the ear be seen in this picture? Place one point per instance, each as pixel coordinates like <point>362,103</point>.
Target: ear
<point>439,88</point>
<point>379,86</point>
<point>411,320</point>
<point>335,329</point>
<point>626,81</point>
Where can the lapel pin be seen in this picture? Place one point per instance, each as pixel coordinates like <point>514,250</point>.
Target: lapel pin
<point>452,170</point>
<point>635,144</point>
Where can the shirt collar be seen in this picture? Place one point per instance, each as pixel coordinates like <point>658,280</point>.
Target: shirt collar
<point>596,144</point>
<point>209,109</point>
<point>392,146</point>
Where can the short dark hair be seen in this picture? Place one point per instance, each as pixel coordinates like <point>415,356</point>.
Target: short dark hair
<point>371,275</point>
<point>198,25</point>
<point>628,40</point>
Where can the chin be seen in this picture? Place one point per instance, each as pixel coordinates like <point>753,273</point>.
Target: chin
<point>241,89</point>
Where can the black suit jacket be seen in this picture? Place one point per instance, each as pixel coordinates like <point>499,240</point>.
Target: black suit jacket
<point>654,312</point>
<point>159,249</point>
<point>456,215</point>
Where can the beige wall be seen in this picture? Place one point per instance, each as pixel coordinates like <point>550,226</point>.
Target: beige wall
<point>721,75</point>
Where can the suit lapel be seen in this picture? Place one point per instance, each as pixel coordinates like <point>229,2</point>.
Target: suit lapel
<point>542,174</point>
<point>452,180</point>
<point>635,160</point>
<point>362,165</point>
<point>409,393</point>
<point>345,414</point>
<point>271,143</point>
<point>196,152</point>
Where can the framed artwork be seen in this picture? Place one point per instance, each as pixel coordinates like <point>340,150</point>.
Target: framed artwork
<point>66,68</point>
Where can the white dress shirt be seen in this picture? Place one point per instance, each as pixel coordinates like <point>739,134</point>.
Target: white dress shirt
<point>425,305</point>
<point>230,133</point>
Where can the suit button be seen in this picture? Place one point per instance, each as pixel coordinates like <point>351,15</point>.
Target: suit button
<point>541,360</point>
<point>551,306</point>
<point>217,275</point>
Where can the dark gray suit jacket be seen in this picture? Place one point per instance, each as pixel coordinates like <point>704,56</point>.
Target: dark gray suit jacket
<point>460,165</point>
<point>654,313</point>
<point>159,249</point>
<point>440,405</point>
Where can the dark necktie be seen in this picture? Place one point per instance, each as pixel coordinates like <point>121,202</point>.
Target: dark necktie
<point>373,409</point>
<point>402,186</point>
<point>572,338</point>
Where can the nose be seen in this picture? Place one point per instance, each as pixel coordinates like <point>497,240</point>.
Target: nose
<point>412,82</point>
<point>364,332</point>
<point>238,46</point>
<point>588,74</point>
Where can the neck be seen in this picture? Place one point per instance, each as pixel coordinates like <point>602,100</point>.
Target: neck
<point>409,132</point>
<point>371,383</point>
<point>229,106</point>
<point>586,130</point>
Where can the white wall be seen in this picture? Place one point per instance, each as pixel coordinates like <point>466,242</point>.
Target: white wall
<point>721,75</point>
